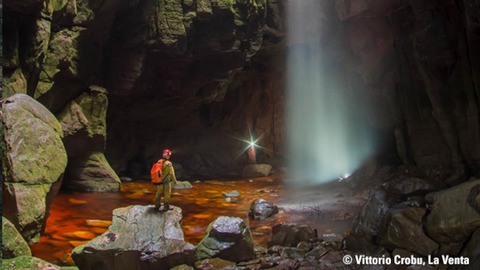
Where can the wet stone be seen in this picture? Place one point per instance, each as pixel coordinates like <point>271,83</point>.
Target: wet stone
<point>304,245</point>
<point>292,253</point>
<point>228,225</point>
<point>275,249</point>
<point>290,234</point>
<point>232,193</point>
<point>227,238</point>
<point>214,263</point>
<point>317,252</point>
<point>182,267</point>
<point>254,261</point>
<point>261,209</point>
<point>369,222</point>
<point>333,240</point>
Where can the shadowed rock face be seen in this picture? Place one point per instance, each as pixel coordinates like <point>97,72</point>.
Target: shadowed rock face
<point>291,234</point>
<point>455,212</point>
<point>84,124</point>
<point>140,237</point>
<point>405,231</point>
<point>192,75</point>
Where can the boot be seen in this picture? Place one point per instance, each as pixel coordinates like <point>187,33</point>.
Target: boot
<point>158,203</point>
<point>166,207</point>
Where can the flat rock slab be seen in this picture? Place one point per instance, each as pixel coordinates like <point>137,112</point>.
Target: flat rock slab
<point>140,237</point>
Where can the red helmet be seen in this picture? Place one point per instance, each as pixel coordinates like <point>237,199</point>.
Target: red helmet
<point>166,153</point>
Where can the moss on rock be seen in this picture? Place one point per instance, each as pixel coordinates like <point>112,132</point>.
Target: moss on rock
<point>34,151</point>
<point>34,159</point>
<point>29,262</point>
<point>13,244</point>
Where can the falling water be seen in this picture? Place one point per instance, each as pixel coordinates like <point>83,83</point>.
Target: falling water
<point>326,140</point>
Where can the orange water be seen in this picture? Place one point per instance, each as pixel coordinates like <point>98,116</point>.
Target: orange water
<point>76,217</point>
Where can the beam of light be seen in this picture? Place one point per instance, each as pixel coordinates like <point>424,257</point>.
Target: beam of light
<point>325,138</point>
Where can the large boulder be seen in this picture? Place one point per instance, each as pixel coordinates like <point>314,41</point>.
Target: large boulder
<point>33,163</point>
<point>13,244</point>
<point>84,124</point>
<point>369,223</point>
<point>455,213</point>
<point>227,238</point>
<point>140,237</point>
<point>405,230</point>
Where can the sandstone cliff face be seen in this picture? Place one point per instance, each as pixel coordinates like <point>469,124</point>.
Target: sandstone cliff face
<point>193,75</point>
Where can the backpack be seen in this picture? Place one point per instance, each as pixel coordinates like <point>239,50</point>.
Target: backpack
<point>156,172</point>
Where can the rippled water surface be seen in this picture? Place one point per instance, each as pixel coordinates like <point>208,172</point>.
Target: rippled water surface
<point>79,217</point>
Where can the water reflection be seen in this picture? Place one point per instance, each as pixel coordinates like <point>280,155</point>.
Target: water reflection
<point>78,217</point>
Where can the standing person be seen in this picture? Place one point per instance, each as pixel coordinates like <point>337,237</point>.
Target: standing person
<point>168,175</point>
<point>252,154</point>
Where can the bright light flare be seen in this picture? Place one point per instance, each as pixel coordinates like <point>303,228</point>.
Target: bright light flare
<point>251,143</point>
<point>344,177</point>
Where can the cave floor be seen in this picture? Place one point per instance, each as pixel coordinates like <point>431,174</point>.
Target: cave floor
<point>76,217</point>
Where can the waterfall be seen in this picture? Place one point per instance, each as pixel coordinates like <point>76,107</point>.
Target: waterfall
<point>326,139</point>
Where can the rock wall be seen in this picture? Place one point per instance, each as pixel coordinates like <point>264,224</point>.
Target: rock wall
<point>194,75</point>
<point>415,65</point>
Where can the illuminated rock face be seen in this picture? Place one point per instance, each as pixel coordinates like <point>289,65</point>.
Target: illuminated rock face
<point>194,74</point>
<point>140,237</point>
<point>33,163</point>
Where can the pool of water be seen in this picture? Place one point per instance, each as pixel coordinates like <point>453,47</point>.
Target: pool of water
<point>75,217</point>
